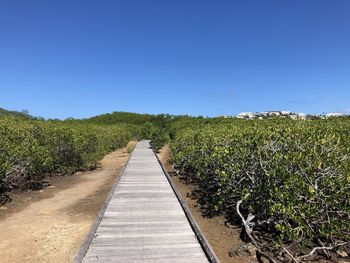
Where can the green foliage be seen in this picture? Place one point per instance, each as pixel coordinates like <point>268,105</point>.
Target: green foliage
<point>29,149</point>
<point>159,138</point>
<point>23,115</point>
<point>295,172</point>
<point>145,126</point>
<point>147,130</point>
<point>121,117</point>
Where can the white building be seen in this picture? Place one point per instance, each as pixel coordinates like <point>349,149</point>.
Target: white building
<point>263,113</point>
<point>274,113</point>
<point>334,114</point>
<point>246,115</point>
<point>286,113</point>
<point>302,116</point>
<point>294,116</point>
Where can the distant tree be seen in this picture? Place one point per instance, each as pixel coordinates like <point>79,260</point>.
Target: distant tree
<point>25,112</point>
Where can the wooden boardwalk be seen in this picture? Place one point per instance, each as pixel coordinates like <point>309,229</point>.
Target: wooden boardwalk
<point>143,221</point>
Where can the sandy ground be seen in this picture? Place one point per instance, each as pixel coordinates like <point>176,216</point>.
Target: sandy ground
<point>220,237</point>
<point>49,225</point>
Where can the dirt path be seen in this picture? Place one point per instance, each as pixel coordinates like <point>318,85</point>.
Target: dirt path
<point>220,237</point>
<point>49,225</point>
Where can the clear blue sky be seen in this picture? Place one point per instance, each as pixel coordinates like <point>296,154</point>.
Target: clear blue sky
<point>82,58</point>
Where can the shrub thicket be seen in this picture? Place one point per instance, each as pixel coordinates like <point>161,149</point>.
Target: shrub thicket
<point>30,149</point>
<point>292,177</point>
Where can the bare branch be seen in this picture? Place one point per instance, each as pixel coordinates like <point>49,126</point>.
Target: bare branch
<point>291,256</point>
<point>248,230</point>
<point>321,248</point>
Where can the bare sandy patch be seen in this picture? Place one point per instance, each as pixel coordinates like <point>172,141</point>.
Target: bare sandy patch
<point>49,225</point>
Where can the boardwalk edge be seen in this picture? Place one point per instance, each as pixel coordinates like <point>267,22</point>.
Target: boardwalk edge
<point>78,258</point>
<point>208,250</point>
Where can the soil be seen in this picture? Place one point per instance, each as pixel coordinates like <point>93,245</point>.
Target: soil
<point>49,225</point>
<point>220,236</point>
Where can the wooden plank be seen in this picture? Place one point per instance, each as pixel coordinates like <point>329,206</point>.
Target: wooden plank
<point>144,241</point>
<point>138,247</point>
<point>147,253</point>
<point>144,221</point>
<point>153,255</point>
<point>159,260</point>
<point>156,223</point>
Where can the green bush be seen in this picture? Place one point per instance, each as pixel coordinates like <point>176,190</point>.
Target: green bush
<point>30,149</point>
<point>159,139</point>
<point>293,176</point>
